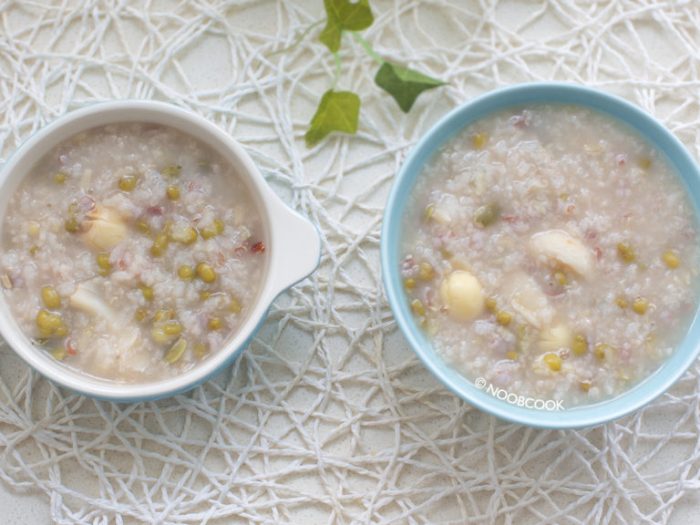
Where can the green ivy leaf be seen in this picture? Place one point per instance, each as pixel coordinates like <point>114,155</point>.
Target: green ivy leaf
<point>344,15</point>
<point>331,36</point>
<point>337,111</point>
<point>404,84</point>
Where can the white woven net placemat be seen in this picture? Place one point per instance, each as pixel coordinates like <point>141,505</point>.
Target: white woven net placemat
<point>328,417</point>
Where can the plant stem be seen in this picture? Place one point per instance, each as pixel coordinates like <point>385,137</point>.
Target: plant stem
<point>338,67</point>
<point>367,47</point>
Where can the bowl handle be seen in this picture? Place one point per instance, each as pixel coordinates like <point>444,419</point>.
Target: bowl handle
<point>295,248</point>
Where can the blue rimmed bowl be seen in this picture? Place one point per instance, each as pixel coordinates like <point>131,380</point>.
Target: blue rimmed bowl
<point>478,396</point>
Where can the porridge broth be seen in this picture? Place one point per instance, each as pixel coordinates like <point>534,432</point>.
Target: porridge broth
<point>131,252</point>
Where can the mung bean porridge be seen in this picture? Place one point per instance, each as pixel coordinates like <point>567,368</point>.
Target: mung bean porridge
<point>131,252</point>
<point>553,252</point>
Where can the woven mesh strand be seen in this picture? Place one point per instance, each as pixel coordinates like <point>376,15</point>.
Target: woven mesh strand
<point>328,417</point>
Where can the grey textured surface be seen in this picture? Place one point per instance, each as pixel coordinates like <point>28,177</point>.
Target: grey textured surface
<point>329,417</point>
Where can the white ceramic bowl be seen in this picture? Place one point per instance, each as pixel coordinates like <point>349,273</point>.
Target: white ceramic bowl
<point>293,244</point>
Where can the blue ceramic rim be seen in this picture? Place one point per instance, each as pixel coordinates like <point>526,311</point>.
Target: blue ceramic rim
<point>518,95</point>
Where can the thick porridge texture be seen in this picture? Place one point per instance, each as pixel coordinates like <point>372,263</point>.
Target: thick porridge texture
<point>131,252</point>
<point>553,252</point>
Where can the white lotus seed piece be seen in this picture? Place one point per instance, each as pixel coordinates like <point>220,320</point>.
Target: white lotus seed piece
<point>105,228</point>
<point>562,247</point>
<point>527,299</point>
<point>440,215</point>
<point>87,299</point>
<point>555,337</point>
<point>462,294</point>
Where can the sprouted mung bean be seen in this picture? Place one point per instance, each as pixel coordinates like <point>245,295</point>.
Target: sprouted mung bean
<point>562,253</point>
<point>125,248</point>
